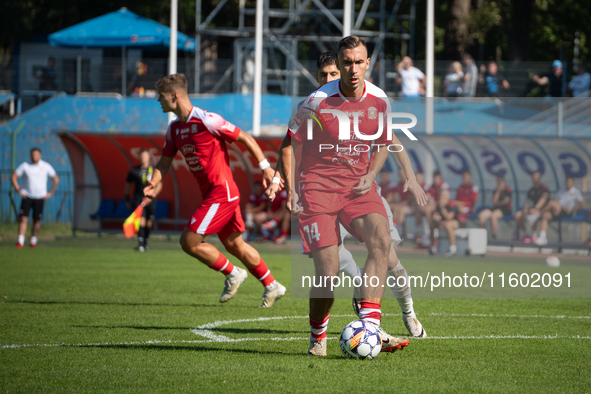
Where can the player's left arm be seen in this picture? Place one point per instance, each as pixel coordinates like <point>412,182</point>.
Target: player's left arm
<point>255,150</point>
<point>411,183</point>
<point>55,182</point>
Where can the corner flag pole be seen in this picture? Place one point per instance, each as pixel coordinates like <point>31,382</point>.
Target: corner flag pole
<point>172,53</point>
<point>258,70</point>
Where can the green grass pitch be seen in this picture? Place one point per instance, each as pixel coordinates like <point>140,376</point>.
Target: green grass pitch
<point>92,315</point>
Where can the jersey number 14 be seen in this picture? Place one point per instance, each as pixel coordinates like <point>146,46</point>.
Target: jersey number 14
<point>312,232</point>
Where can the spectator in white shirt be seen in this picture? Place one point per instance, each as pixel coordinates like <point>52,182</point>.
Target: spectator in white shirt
<point>580,83</point>
<point>34,193</point>
<point>566,203</point>
<point>470,75</point>
<point>454,81</point>
<point>411,78</point>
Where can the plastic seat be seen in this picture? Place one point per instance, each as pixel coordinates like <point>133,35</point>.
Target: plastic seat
<point>106,209</point>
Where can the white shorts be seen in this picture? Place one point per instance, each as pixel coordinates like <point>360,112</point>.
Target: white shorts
<point>393,231</point>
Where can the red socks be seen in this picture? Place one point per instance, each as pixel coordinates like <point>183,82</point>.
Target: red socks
<point>262,273</point>
<point>318,328</point>
<point>370,312</point>
<point>223,265</point>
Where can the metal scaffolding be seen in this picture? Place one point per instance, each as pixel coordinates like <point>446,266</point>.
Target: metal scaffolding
<point>314,22</point>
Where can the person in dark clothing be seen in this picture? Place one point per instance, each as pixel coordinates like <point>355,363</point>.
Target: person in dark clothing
<point>139,177</point>
<point>46,76</point>
<point>553,80</point>
<point>493,81</point>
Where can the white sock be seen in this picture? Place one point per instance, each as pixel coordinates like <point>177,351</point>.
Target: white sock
<point>453,249</point>
<point>21,239</point>
<point>542,234</point>
<point>402,294</point>
<point>33,240</point>
<point>347,263</point>
<point>233,273</point>
<point>249,220</point>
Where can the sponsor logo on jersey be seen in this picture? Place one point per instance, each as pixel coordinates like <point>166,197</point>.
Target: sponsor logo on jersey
<point>228,127</point>
<point>185,131</point>
<point>188,148</point>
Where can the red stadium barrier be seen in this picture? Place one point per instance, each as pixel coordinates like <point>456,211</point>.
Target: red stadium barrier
<point>112,156</point>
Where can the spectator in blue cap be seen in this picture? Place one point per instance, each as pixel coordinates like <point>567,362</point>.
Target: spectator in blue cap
<point>553,80</point>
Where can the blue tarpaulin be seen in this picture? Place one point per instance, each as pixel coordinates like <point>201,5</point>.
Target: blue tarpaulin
<point>120,28</point>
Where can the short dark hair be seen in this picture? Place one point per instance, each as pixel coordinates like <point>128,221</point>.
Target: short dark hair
<point>436,173</point>
<point>466,172</point>
<point>327,59</point>
<point>351,42</point>
<point>501,177</point>
<point>35,149</point>
<point>570,177</point>
<point>172,82</point>
<point>466,56</point>
<point>143,150</point>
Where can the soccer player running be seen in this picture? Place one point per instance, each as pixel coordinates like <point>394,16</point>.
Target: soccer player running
<point>336,188</point>
<point>201,136</point>
<point>139,177</point>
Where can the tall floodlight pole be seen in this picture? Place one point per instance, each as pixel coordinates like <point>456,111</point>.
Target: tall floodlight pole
<point>347,18</point>
<point>430,66</point>
<point>197,45</point>
<point>258,70</point>
<point>172,54</point>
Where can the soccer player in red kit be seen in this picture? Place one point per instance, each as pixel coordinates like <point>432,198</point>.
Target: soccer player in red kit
<point>201,136</point>
<point>338,185</point>
<point>467,194</point>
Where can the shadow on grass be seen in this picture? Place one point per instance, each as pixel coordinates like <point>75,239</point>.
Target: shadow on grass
<point>191,348</point>
<point>117,303</point>
<point>217,330</point>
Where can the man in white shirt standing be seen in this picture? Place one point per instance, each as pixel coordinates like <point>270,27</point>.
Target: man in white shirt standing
<point>34,193</point>
<point>411,78</point>
<point>566,203</point>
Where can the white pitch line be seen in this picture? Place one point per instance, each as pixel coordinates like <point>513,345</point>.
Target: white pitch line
<point>206,332</point>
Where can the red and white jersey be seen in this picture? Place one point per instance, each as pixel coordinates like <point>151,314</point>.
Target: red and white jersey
<point>201,140</point>
<point>468,194</point>
<point>277,203</point>
<point>386,188</point>
<point>400,190</point>
<point>328,163</point>
<point>434,189</point>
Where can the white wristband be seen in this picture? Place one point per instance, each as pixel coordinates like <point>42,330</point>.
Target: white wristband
<point>276,180</point>
<point>263,165</point>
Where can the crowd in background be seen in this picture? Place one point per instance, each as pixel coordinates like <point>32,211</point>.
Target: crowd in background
<point>446,213</point>
<point>464,78</point>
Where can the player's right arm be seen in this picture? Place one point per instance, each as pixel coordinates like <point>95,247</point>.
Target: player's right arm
<point>14,180</point>
<point>287,157</point>
<point>160,172</point>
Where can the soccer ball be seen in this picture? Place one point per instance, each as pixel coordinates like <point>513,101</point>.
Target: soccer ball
<point>360,340</point>
<point>553,261</point>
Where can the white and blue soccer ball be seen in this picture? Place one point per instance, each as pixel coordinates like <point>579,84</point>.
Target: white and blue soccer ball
<point>360,340</point>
